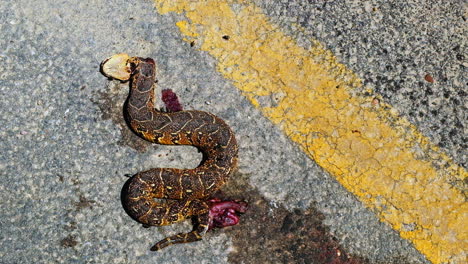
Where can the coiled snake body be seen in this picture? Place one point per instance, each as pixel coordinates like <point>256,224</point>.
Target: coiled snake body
<point>163,196</point>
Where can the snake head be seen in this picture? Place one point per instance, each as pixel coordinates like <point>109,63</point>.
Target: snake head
<point>117,67</point>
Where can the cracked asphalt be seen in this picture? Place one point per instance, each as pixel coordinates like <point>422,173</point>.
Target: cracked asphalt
<point>66,148</point>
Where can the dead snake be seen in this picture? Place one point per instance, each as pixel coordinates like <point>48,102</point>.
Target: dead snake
<point>163,196</point>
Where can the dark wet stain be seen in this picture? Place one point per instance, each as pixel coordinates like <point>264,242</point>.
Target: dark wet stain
<point>111,102</point>
<point>69,241</point>
<point>84,203</point>
<point>268,234</point>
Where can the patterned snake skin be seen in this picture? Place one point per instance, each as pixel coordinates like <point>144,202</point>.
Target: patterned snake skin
<point>163,196</point>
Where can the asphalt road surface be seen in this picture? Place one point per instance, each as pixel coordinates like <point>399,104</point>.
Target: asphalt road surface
<point>65,147</point>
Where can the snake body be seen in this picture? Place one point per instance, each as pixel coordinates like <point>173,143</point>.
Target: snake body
<point>163,196</point>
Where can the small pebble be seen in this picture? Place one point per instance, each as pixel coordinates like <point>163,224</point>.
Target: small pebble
<point>429,78</point>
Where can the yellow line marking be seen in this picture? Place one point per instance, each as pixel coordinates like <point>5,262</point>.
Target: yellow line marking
<point>362,142</point>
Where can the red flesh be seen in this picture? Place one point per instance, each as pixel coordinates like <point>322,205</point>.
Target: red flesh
<point>225,213</point>
<point>171,101</point>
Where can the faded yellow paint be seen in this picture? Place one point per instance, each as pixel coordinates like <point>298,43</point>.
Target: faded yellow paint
<point>361,141</point>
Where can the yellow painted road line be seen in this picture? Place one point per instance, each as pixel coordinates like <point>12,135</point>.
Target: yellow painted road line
<point>362,142</point>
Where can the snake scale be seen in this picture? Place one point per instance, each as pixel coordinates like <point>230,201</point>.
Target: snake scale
<point>163,196</point>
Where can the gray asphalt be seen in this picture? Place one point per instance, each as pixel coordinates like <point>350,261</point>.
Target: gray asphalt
<point>392,46</point>
<point>65,148</point>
